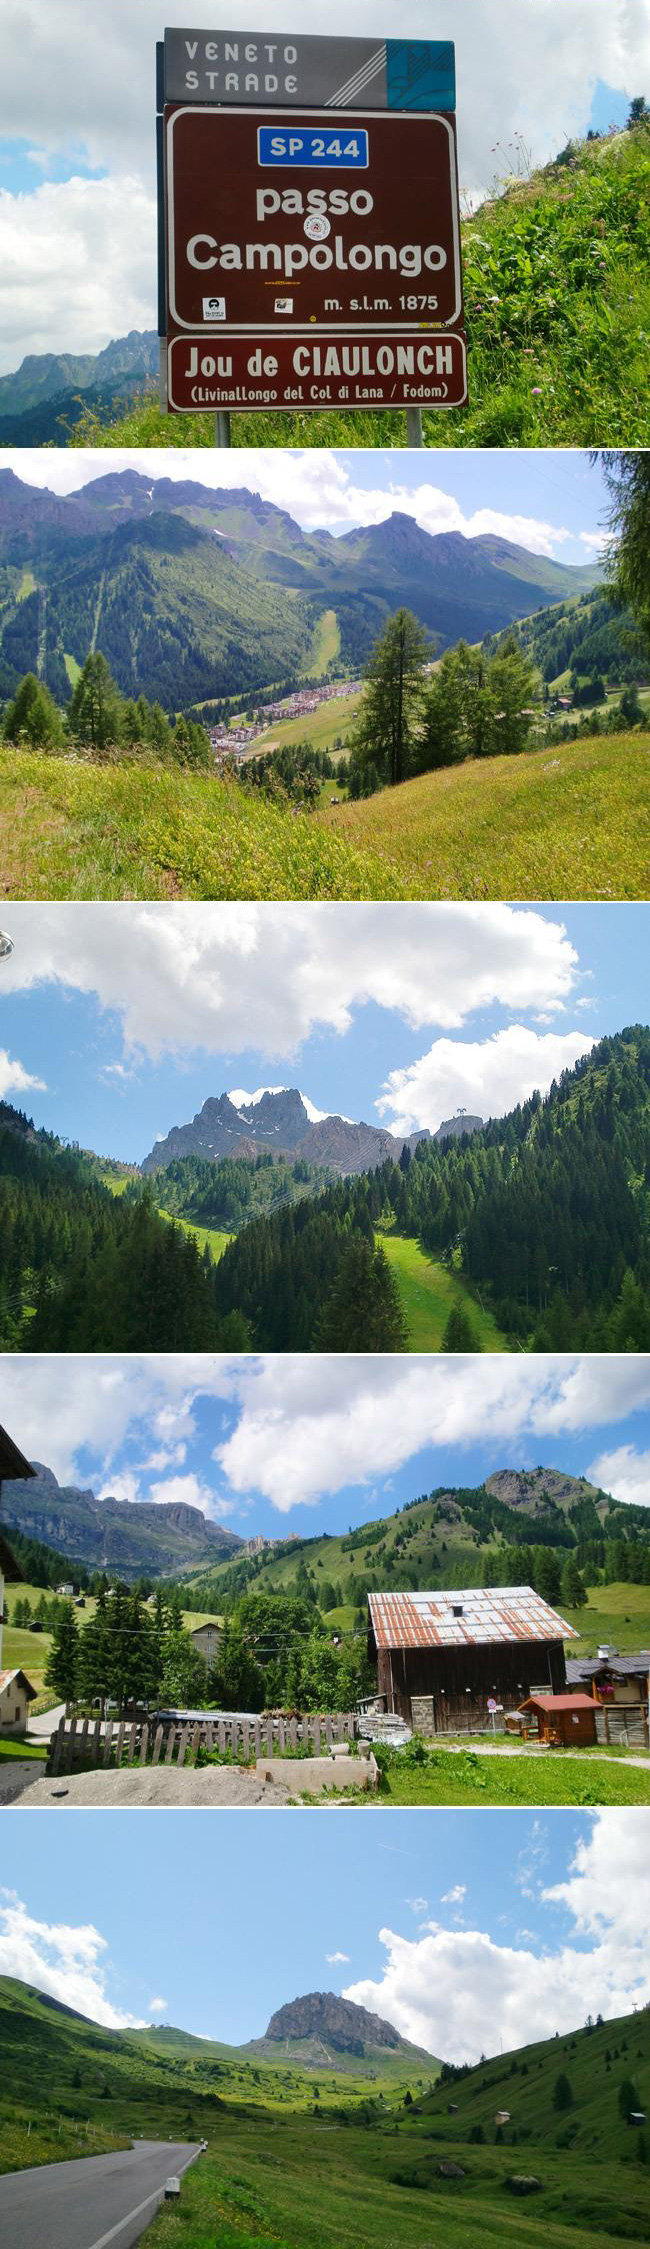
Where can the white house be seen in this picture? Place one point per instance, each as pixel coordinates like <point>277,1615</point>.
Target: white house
<point>16,1692</point>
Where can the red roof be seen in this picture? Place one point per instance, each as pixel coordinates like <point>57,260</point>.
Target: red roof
<point>484,1615</point>
<point>559,1702</point>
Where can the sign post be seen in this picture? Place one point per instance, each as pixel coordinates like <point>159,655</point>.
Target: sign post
<point>309,233</point>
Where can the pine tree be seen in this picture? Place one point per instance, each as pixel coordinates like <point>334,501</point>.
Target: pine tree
<point>33,718</point>
<point>63,1661</point>
<point>96,709</point>
<point>562,2094</point>
<point>459,1334</point>
<point>387,728</point>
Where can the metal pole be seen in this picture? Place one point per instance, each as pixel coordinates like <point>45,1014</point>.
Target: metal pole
<point>222,429</point>
<point>414,425</point>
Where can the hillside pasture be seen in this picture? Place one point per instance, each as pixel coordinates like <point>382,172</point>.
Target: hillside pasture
<point>571,821</point>
<point>429,1291</point>
<point>319,728</point>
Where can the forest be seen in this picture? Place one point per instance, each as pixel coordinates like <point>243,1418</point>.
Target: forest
<point>546,1208</point>
<point>544,1212</point>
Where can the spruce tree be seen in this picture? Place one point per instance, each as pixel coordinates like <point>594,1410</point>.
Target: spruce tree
<point>62,1669</point>
<point>95,710</point>
<point>32,718</point>
<point>388,724</point>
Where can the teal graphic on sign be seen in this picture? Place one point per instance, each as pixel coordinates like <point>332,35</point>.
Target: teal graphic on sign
<point>420,74</point>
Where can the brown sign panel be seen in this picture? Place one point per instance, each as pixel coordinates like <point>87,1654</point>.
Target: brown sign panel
<point>347,222</point>
<point>210,374</point>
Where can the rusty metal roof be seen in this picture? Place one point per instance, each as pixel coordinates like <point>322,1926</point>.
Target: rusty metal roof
<point>481,1615</point>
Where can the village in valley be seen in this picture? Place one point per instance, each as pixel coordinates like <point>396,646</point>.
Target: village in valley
<point>123,1686</point>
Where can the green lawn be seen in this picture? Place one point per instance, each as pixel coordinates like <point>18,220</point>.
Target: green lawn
<point>428,1292</point>
<point>20,1749</point>
<point>466,1777</point>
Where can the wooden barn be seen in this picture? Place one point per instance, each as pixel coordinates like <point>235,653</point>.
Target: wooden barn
<point>444,1658</point>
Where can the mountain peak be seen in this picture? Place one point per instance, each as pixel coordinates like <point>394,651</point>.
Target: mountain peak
<point>335,2022</point>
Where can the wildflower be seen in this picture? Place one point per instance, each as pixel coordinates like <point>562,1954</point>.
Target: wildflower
<point>537,392</point>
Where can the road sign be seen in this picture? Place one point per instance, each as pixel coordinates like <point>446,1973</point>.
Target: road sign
<point>211,374</point>
<point>347,223</point>
<point>241,67</point>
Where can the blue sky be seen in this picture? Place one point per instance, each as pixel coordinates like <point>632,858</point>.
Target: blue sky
<point>116,1023</point>
<point>77,180</point>
<point>425,1908</point>
<point>285,1444</point>
<point>551,504</point>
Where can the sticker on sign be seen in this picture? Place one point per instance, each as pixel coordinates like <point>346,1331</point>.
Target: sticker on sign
<point>389,256</point>
<point>211,376</point>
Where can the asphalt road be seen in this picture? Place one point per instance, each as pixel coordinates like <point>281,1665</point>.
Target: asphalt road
<point>94,2201</point>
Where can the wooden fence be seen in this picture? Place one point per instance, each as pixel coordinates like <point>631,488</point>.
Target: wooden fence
<point>88,1744</point>
<point>625,1722</point>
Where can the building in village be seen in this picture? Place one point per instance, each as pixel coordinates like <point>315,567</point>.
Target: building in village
<point>207,1640</point>
<point>444,1659</point>
<point>16,1693</point>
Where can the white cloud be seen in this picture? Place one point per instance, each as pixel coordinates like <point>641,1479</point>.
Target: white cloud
<point>76,265</point>
<point>231,977</point>
<point>307,1427</point>
<point>303,1427</point>
<point>157,2006</point>
<point>15,1079</point>
<point>184,1491</point>
<point>417,1905</point>
<point>625,1473</point>
<point>124,1485</point>
<point>532,69</point>
<point>486,1078</point>
<point>333,1957</point>
<point>69,1963</point>
<point>454,1896</point>
<point>459,1992</point>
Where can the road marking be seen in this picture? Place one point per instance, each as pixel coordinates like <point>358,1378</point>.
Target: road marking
<point>127,2221</point>
<point>131,2214</point>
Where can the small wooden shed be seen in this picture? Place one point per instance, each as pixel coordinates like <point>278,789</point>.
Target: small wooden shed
<point>563,1721</point>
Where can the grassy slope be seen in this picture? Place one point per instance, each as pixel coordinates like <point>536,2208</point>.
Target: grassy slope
<point>72,830</point>
<point>571,822</point>
<point>30,1650</point>
<point>428,1291</point>
<point>557,296</point>
<point>326,644</point>
<point>567,822</point>
<point>616,1613</point>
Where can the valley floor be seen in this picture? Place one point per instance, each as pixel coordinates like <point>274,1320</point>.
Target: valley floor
<point>298,2184</point>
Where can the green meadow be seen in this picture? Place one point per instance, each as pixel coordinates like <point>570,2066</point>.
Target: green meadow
<point>568,822</point>
<point>429,1291</point>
